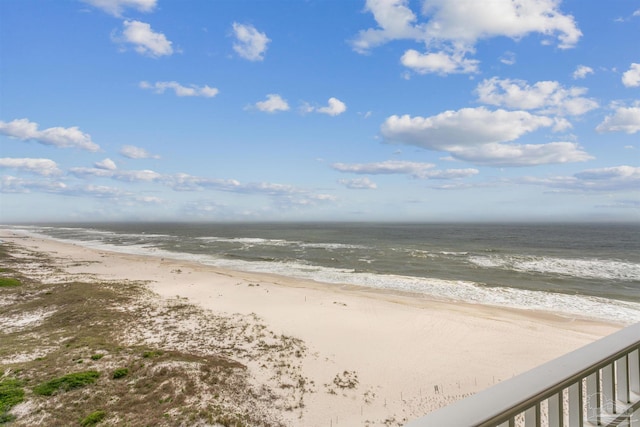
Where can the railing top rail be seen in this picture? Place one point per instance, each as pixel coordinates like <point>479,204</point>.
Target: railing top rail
<point>522,391</point>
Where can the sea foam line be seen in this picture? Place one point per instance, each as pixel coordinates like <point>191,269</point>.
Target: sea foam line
<point>584,268</point>
<point>257,241</point>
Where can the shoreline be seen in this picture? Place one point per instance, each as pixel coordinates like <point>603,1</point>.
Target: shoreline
<point>413,298</point>
<point>411,354</point>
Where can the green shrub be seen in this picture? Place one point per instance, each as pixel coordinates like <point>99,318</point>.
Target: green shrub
<point>93,418</point>
<point>66,383</point>
<point>6,418</point>
<point>6,282</point>
<point>11,393</point>
<point>97,356</point>
<point>120,372</point>
<point>151,353</point>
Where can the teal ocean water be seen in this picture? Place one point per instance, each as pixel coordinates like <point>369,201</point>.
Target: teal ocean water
<point>588,270</point>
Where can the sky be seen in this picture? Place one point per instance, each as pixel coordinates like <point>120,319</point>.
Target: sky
<point>319,110</point>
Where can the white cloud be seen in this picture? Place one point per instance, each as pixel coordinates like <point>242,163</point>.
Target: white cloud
<point>116,7</point>
<point>268,188</point>
<point>126,176</point>
<point>452,173</point>
<point>92,172</point>
<point>358,184</point>
<point>145,40</point>
<point>98,191</point>
<point>631,78</point>
<point>106,164</point>
<point>24,130</point>
<point>624,119</point>
<point>396,21</point>
<point>468,126</point>
<point>150,200</point>
<point>636,13</point>
<point>388,167</point>
<point>302,200</point>
<point>273,104</point>
<point>414,169</point>
<point>137,176</point>
<point>186,182</point>
<point>12,184</point>
<point>617,178</point>
<point>44,167</point>
<point>467,21</point>
<point>334,108</point>
<point>546,96</point>
<point>478,135</point>
<point>581,72</point>
<point>285,196</point>
<point>306,108</point>
<point>133,152</point>
<point>438,62</point>
<point>180,90</point>
<point>509,58</point>
<point>494,154</point>
<point>453,28</point>
<point>250,43</point>
<point>616,172</point>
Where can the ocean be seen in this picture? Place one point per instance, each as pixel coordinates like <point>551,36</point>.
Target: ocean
<point>589,270</point>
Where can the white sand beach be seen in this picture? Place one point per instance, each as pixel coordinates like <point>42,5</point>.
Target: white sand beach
<point>373,357</point>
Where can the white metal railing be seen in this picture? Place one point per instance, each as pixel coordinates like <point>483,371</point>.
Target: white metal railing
<point>596,385</point>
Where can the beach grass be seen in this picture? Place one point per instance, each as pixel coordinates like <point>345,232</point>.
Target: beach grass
<point>102,352</point>
<point>11,393</point>
<point>93,418</point>
<point>6,282</point>
<point>66,383</point>
<point>120,373</point>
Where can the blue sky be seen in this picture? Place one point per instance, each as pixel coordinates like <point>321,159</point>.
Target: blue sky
<point>431,110</point>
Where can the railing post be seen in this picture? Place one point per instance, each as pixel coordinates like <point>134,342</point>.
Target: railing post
<point>634,383</point>
<point>532,416</point>
<point>634,371</point>
<point>555,405</point>
<point>608,389</point>
<point>622,379</point>
<point>575,404</point>
<point>594,404</point>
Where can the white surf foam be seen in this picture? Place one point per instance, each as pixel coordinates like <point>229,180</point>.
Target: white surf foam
<point>585,268</point>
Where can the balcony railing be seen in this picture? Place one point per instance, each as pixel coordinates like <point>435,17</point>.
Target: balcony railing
<point>596,385</point>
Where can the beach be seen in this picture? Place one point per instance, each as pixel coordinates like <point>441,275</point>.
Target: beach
<point>372,356</point>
